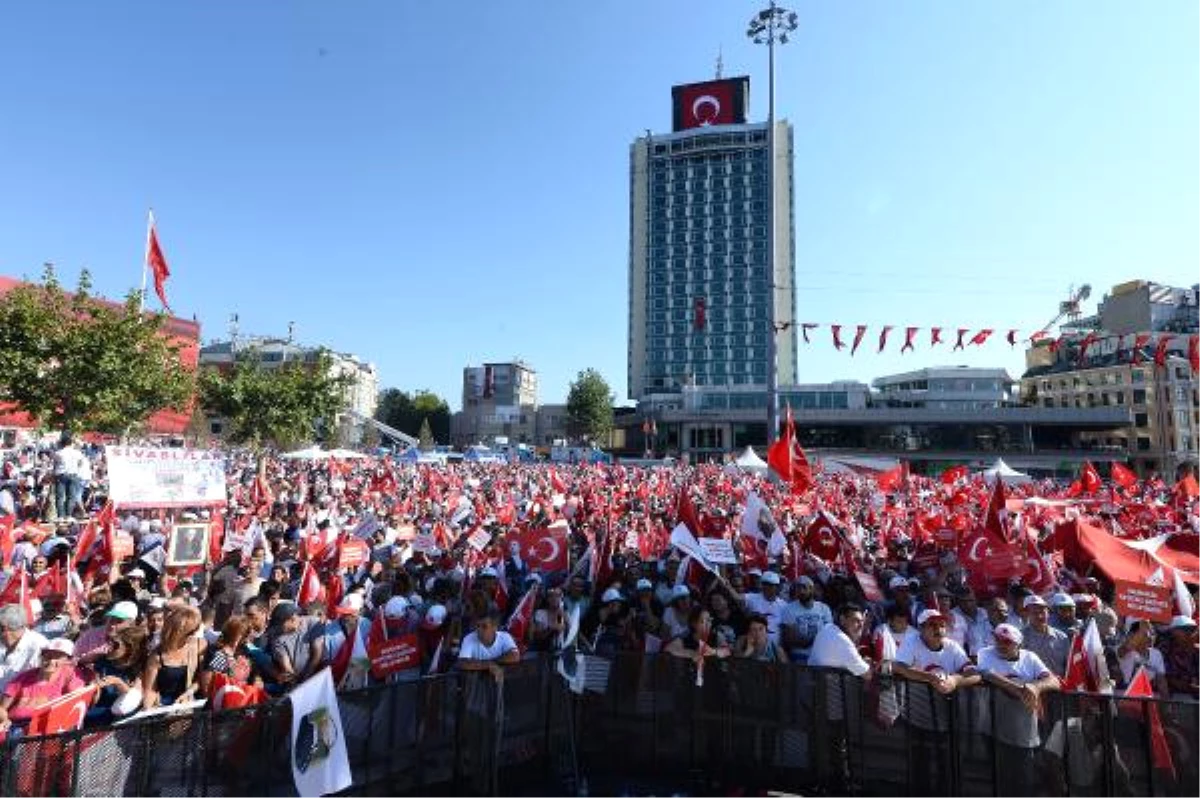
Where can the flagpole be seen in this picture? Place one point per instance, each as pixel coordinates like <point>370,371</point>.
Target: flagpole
<point>146,260</point>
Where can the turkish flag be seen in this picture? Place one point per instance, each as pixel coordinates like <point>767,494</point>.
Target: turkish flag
<point>714,102</point>
<point>892,479</point>
<point>1040,576</point>
<point>156,262</point>
<point>1090,478</point>
<point>310,586</point>
<point>954,474</point>
<point>63,714</point>
<point>543,549</point>
<point>1123,476</point>
<point>823,536</point>
<point>1160,751</point>
<point>859,332</point>
<point>1194,355</point>
<point>229,693</point>
<point>1160,352</point>
<point>980,337</point>
<point>522,618</point>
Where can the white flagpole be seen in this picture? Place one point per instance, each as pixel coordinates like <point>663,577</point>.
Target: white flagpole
<point>146,261</point>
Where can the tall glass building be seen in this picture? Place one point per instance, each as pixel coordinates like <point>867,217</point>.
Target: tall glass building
<point>699,281</point>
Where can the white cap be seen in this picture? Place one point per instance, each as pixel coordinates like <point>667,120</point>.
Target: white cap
<point>644,584</point>
<point>351,604</point>
<point>123,611</point>
<point>1034,601</point>
<point>136,572</point>
<point>1061,600</point>
<point>770,578</point>
<point>929,615</point>
<point>1006,631</point>
<point>61,645</point>
<point>1182,622</point>
<point>435,616</point>
<point>680,591</point>
<point>396,607</point>
<point>897,582</point>
<point>488,571</point>
<point>612,594</point>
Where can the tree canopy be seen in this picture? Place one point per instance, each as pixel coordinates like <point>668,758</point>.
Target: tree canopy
<point>76,363</point>
<point>590,406</point>
<point>406,412</point>
<point>286,405</point>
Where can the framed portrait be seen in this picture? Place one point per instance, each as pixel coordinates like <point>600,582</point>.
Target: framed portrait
<point>189,545</point>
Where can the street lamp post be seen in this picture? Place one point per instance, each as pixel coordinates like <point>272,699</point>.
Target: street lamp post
<point>770,26</point>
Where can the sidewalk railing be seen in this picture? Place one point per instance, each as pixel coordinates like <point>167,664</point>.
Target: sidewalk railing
<point>749,725</point>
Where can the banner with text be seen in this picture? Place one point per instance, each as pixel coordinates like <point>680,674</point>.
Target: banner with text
<point>149,477</point>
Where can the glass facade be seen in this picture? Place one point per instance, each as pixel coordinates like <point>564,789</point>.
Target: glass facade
<point>707,276</point>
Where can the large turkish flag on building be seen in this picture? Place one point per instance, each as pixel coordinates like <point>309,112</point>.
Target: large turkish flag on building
<point>714,102</point>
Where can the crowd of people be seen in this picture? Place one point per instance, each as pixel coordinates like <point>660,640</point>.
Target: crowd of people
<point>384,571</point>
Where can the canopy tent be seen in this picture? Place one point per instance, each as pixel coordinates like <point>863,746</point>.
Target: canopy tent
<point>750,461</point>
<point>1084,544</point>
<point>311,453</point>
<point>1008,475</point>
<point>863,466</point>
<point>348,454</point>
<point>482,454</point>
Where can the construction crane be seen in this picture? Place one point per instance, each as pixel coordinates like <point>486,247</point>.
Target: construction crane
<point>1070,307</point>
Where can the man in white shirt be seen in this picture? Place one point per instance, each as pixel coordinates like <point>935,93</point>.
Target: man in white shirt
<point>803,619</point>
<point>487,648</point>
<point>836,646</point>
<point>20,648</point>
<point>768,603</point>
<point>938,667</point>
<point>1018,678</point>
<point>68,484</point>
<point>969,625</point>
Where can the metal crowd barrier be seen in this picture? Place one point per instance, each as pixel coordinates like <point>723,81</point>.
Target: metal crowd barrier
<point>650,729</point>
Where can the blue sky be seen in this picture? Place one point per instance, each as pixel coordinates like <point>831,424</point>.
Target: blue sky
<point>431,190</point>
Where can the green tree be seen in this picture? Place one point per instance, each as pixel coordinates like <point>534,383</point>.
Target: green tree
<point>74,362</point>
<point>291,404</point>
<point>590,407</point>
<point>425,436</point>
<point>406,412</point>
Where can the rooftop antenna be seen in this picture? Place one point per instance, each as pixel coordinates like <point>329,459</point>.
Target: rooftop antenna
<point>233,331</point>
<point>720,63</point>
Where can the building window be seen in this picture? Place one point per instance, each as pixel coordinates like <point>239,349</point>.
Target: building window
<point>1143,443</point>
<point>1141,420</point>
<point>1139,396</point>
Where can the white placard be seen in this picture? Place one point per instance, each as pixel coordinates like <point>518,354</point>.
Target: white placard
<point>479,539</point>
<point>718,550</point>
<point>425,543</point>
<point>148,477</point>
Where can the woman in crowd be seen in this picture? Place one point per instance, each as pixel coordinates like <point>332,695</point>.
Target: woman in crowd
<point>29,690</point>
<point>758,645</point>
<point>119,675</point>
<point>172,667</point>
<point>230,657</point>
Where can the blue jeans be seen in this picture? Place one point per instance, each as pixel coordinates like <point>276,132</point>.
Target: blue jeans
<point>68,493</point>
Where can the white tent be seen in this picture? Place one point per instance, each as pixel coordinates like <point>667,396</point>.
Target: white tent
<point>347,454</point>
<point>1009,475</point>
<point>311,453</point>
<point>750,461</point>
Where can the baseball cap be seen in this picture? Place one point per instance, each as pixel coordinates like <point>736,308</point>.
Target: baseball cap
<point>1182,622</point>
<point>805,581</point>
<point>123,611</point>
<point>1084,599</point>
<point>1034,601</point>
<point>351,604</point>
<point>612,594</point>
<point>680,591</point>
<point>61,645</point>
<point>136,573</point>
<point>396,607</point>
<point>898,583</point>
<point>435,616</point>
<point>1061,600</point>
<point>644,584</point>
<point>929,615</point>
<point>770,578</point>
<point>1006,631</point>
<point>488,571</point>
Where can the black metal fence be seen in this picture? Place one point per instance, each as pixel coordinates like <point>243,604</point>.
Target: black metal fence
<point>649,728</point>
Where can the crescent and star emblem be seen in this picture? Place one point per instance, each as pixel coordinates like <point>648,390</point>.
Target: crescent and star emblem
<point>554,549</point>
<point>974,554</point>
<point>706,101</point>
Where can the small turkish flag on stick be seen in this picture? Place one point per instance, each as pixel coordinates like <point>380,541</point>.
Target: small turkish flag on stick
<point>156,262</point>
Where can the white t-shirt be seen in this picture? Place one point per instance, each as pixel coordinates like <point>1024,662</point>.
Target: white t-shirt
<point>925,709</point>
<point>809,621</point>
<point>757,603</point>
<point>832,648</point>
<point>473,648</point>
<point>1028,667</point>
<point>1153,662</point>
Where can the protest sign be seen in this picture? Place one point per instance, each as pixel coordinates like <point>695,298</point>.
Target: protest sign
<point>1150,602</point>
<point>718,550</point>
<point>479,539</point>
<point>353,553</point>
<point>156,477</point>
